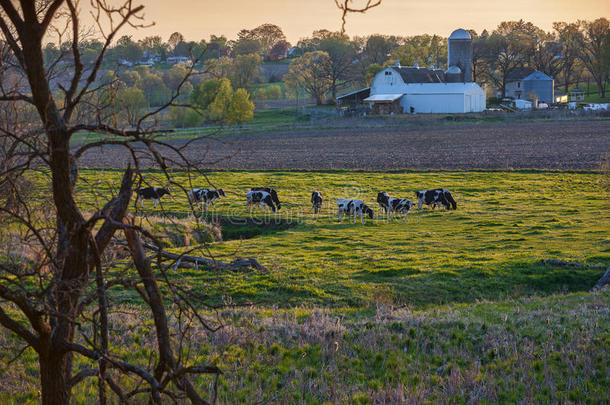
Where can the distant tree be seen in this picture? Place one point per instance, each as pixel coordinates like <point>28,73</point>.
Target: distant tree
<point>371,71</point>
<point>267,35</point>
<point>130,105</point>
<point>127,49</point>
<point>184,117</point>
<point>217,110</point>
<point>378,48</point>
<point>480,44</point>
<point>151,83</point>
<point>217,102</point>
<point>426,49</point>
<point>219,68</point>
<point>131,78</point>
<point>569,39</point>
<point>173,77</point>
<point>593,48</point>
<point>240,108</point>
<point>90,51</point>
<point>152,45</point>
<point>546,55</point>
<point>510,46</point>
<point>340,66</point>
<point>246,46</point>
<point>310,74</point>
<point>244,70</point>
<point>279,50</point>
<point>174,39</point>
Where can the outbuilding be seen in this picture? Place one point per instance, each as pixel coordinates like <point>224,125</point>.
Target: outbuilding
<point>531,84</point>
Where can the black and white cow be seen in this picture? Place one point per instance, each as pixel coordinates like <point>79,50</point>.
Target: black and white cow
<point>262,197</point>
<point>392,205</point>
<point>438,196</point>
<point>316,201</point>
<point>356,207</point>
<point>205,196</point>
<point>151,193</point>
<point>271,191</point>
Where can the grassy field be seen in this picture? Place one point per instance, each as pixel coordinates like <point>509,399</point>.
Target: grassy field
<point>490,248</point>
<point>449,307</point>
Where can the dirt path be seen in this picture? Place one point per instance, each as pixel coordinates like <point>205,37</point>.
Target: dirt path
<point>558,145</point>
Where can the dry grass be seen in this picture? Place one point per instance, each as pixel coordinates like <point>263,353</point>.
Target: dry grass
<point>533,350</point>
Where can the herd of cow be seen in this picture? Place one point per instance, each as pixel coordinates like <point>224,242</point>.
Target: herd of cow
<point>266,196</point>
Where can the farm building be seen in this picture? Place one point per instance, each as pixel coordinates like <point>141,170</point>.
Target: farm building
<point>523,83</point>
<point>414,90</point>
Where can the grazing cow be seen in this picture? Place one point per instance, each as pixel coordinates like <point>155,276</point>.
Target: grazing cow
<point>273,193</point>
<point>391,205</point>
<point>356,207</point>
<point>438,196</point>
<point>262,197</point>
<point>205,196</point>
<point>151,193</point>
<point>316,201</point>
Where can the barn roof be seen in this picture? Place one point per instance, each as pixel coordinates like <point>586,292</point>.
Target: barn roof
<point>417,75</point>
<point>519,73</point>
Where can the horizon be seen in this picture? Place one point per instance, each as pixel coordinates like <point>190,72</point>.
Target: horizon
<point>386,19</point>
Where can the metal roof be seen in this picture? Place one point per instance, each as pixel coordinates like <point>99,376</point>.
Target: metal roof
<point>538,75</point>
<point>417,75</point>
<point>519,73</point>
<point>460,33</point>
<point>364,90</point>
<point>383,98</point>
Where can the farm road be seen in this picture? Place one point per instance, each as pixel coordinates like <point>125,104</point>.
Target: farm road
<point>556,145</point>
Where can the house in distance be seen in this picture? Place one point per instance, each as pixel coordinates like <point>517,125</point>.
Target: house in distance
<point>415,90</point>
<point>530,84</point>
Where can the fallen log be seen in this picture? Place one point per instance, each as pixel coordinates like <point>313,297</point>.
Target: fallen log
<point>193,262</point>
<point>604,281</point>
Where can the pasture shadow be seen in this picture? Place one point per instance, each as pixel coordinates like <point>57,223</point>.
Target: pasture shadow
<point>467,284</point>
<point>233,227</point>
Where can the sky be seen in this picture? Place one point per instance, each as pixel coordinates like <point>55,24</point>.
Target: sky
<point>198,19</point>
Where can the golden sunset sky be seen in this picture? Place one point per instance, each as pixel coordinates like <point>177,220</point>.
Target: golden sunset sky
<point>197,19</point>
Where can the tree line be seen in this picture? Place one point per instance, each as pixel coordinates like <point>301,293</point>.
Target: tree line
<point>328,63</point>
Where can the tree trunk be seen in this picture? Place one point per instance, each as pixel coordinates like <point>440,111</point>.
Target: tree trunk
<point>55,370</point>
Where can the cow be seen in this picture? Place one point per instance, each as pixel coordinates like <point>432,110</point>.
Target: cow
<point>316,201</point>
<point>151,193</point>
<point>206,196</point>
<point>438,196</point>
<point>356,207</point>
<point>262,197</point>
<point>391,205</point>
<point>271,191</point>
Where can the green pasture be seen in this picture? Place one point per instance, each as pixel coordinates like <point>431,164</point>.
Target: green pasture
<point>490,248</point>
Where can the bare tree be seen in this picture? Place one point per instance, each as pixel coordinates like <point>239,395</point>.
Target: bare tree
<point>346,7</point>
<point>593,45</point>
<point>58,264</point>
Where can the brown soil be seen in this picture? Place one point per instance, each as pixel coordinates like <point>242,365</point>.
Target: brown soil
<point>557,145</point>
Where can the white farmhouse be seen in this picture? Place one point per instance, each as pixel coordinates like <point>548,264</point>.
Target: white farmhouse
<point>415,90</point>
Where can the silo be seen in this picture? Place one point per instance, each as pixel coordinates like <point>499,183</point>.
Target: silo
<point>460,52</point>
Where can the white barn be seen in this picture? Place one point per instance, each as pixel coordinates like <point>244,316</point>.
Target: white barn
<point>414,90</point>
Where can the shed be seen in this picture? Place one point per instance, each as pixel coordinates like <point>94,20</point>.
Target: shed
<point>354,98</point>
<point>577,95</point>
<point>385,103</point>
